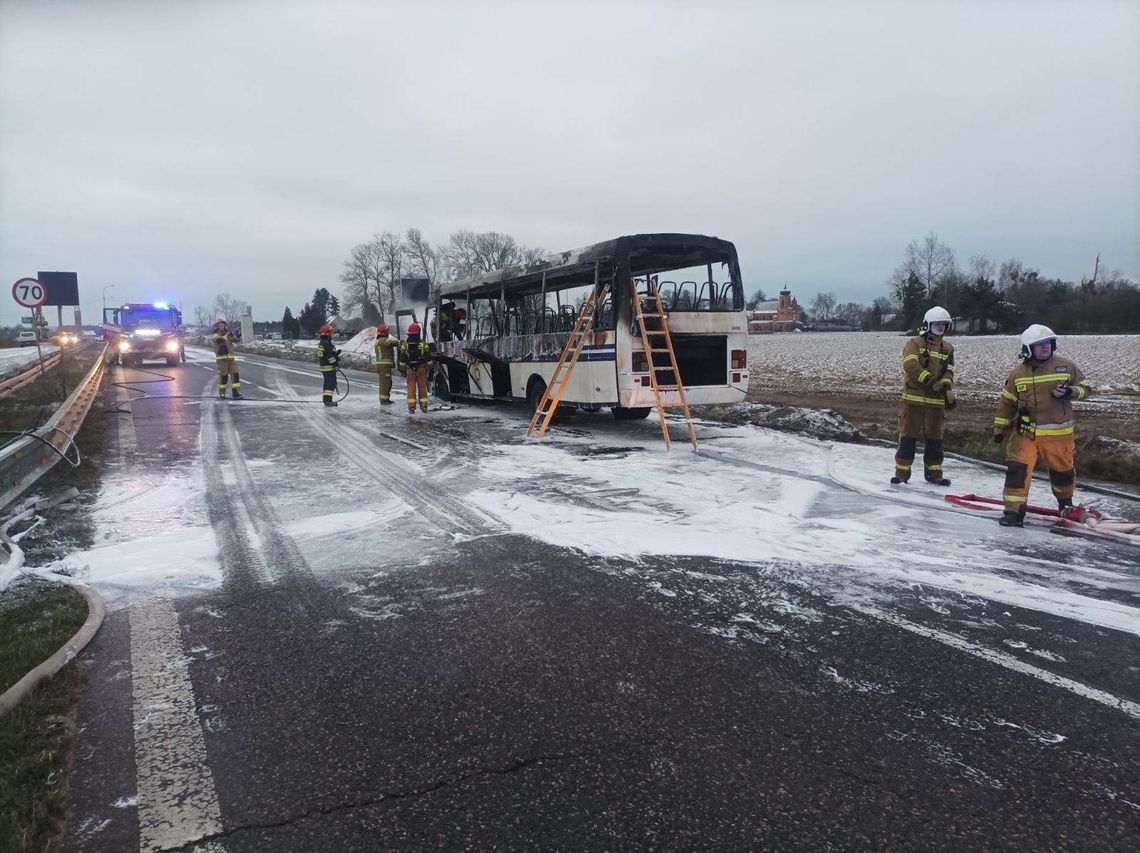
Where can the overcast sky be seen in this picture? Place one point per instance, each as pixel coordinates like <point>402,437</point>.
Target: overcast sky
<point>181,149</point>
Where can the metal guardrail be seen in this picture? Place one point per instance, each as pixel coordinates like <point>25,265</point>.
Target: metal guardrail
<point>25,460</point>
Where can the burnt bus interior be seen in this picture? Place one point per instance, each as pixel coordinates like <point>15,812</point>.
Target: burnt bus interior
<point>517,312</point>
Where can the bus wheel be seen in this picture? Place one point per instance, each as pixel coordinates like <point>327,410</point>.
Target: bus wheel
<point>439,387</point>
<point>624,414</point>
<point>534,392</point>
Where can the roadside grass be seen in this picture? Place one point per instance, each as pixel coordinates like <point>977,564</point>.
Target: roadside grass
<point>36,619</point>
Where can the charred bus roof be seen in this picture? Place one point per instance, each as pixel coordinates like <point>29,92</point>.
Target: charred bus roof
<point>647,253</point>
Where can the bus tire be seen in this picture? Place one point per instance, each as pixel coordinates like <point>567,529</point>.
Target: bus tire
<point>534,391</point>
<point>439,386</point>
<point>624,414</point>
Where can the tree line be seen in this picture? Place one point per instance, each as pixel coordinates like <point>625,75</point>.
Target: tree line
<point>987,297</point>
<point>374,269</point>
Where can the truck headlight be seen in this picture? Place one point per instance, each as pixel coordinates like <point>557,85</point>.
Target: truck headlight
<point>172,346</point>
<point>124,346</point>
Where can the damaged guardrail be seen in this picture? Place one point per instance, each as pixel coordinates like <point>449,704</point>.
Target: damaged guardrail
<point>29,457</point>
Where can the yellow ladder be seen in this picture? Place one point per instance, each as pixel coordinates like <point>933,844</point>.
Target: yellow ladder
<point>648,310</point>
<point>544,414</point>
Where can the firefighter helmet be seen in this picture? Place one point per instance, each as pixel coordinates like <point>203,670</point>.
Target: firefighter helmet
<point>414,329</point>
<point>220,323</point>
<point>382,329</point>
<point>326,329</point>
<point>459,314</point>
<point>1036,334</point>
<point>937,314</point>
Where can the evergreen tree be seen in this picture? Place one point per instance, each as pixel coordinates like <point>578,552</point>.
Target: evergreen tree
<point>290,328</point>
<point>321,297</point>
<point>311,319</point>
<point>334,306</point>
<point>911,294</point>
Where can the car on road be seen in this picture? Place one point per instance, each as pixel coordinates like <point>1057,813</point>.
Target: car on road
<point>66,339</point>
<point>26,338</point>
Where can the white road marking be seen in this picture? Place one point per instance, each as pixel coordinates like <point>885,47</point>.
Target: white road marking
<point>1130,708</point>
<point>177,802</point>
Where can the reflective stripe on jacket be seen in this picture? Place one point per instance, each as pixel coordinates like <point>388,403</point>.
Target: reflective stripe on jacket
<point>326,355</point>
<point>1029,389</point>
<point>928,370</point>
<point>223,345</point>
<point>385,351</point>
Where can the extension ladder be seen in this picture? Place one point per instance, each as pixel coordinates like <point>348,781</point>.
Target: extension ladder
<point>561,376</point>
<point>648,310</point>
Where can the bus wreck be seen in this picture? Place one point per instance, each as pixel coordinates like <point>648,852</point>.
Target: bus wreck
<point>499,335</point>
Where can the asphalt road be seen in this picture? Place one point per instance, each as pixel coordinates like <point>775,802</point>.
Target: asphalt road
<point>435,680</point>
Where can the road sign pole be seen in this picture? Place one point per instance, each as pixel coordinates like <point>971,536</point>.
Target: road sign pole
<point>37,316</point>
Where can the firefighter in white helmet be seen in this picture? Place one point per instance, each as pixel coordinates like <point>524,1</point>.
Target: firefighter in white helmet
<point>1036,411</point>
<point>928,377</point>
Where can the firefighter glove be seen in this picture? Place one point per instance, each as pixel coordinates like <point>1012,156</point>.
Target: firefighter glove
<point>1064,392</point>
<point>999,437</point>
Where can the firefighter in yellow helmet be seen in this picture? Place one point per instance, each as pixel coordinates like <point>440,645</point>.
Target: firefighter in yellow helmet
<point>224,349</point>
<point>385,348</point>
<point>1036,410</point>
<point>415,356</point>
<point>928,371</point>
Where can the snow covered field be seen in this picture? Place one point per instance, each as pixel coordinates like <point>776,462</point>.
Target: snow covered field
<point>17,359</point>
<point>851,360</point>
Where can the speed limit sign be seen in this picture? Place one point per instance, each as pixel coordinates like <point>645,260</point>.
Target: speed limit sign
<point>29,292</point>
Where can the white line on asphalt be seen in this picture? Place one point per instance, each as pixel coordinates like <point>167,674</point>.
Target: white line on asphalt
<point>177,802</point>
<point>1130,708</point>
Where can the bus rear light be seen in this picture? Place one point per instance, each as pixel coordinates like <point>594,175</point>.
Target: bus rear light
<point>735,378</point>
<point>739,359</point>
<point>640,362</point>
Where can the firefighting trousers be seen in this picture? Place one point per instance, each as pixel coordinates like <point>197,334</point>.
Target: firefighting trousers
<point>227,369</point>
<point>329,377</point>
<point>417,387</point>
<point>1057,451</point>
<point>918,420</point>
<point>384,373</point>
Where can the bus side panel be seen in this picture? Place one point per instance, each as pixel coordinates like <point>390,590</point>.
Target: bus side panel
<point>593,381</point>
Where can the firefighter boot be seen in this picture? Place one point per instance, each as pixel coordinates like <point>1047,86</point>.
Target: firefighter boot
<point>1064,504</point>
<point>1012,519</point>
<point>236,394</point>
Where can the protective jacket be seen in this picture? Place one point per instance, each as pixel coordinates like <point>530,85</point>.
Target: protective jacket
<point>385,351</point>
<point>1027,400</point>
<point>928,370</point>
<point>327,355</point>
<point>224,345</point>
<point>414,353</point>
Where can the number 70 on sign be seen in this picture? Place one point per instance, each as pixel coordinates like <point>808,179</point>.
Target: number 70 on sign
<point>29,292</point>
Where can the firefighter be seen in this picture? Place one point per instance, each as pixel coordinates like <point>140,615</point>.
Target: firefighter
<point>385,347</point>
<point>928,370</point>
<point>327,358</point>
<point>1036,410</point>
<point>224,349</point>
<point>414,359</point>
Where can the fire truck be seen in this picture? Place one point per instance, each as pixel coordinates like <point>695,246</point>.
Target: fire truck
<point>145,331</point>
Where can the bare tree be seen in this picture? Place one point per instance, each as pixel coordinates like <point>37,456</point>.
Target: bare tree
<point>981,268</point>
<point>930,259</point>
<point>230,308</point>
<point>823,305</point>
<point>202,317</point>
<point>393,267</point>
<point>362,277</point>
<point>468,254</point>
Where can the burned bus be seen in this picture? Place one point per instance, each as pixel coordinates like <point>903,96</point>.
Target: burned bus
<point>499,335</point>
